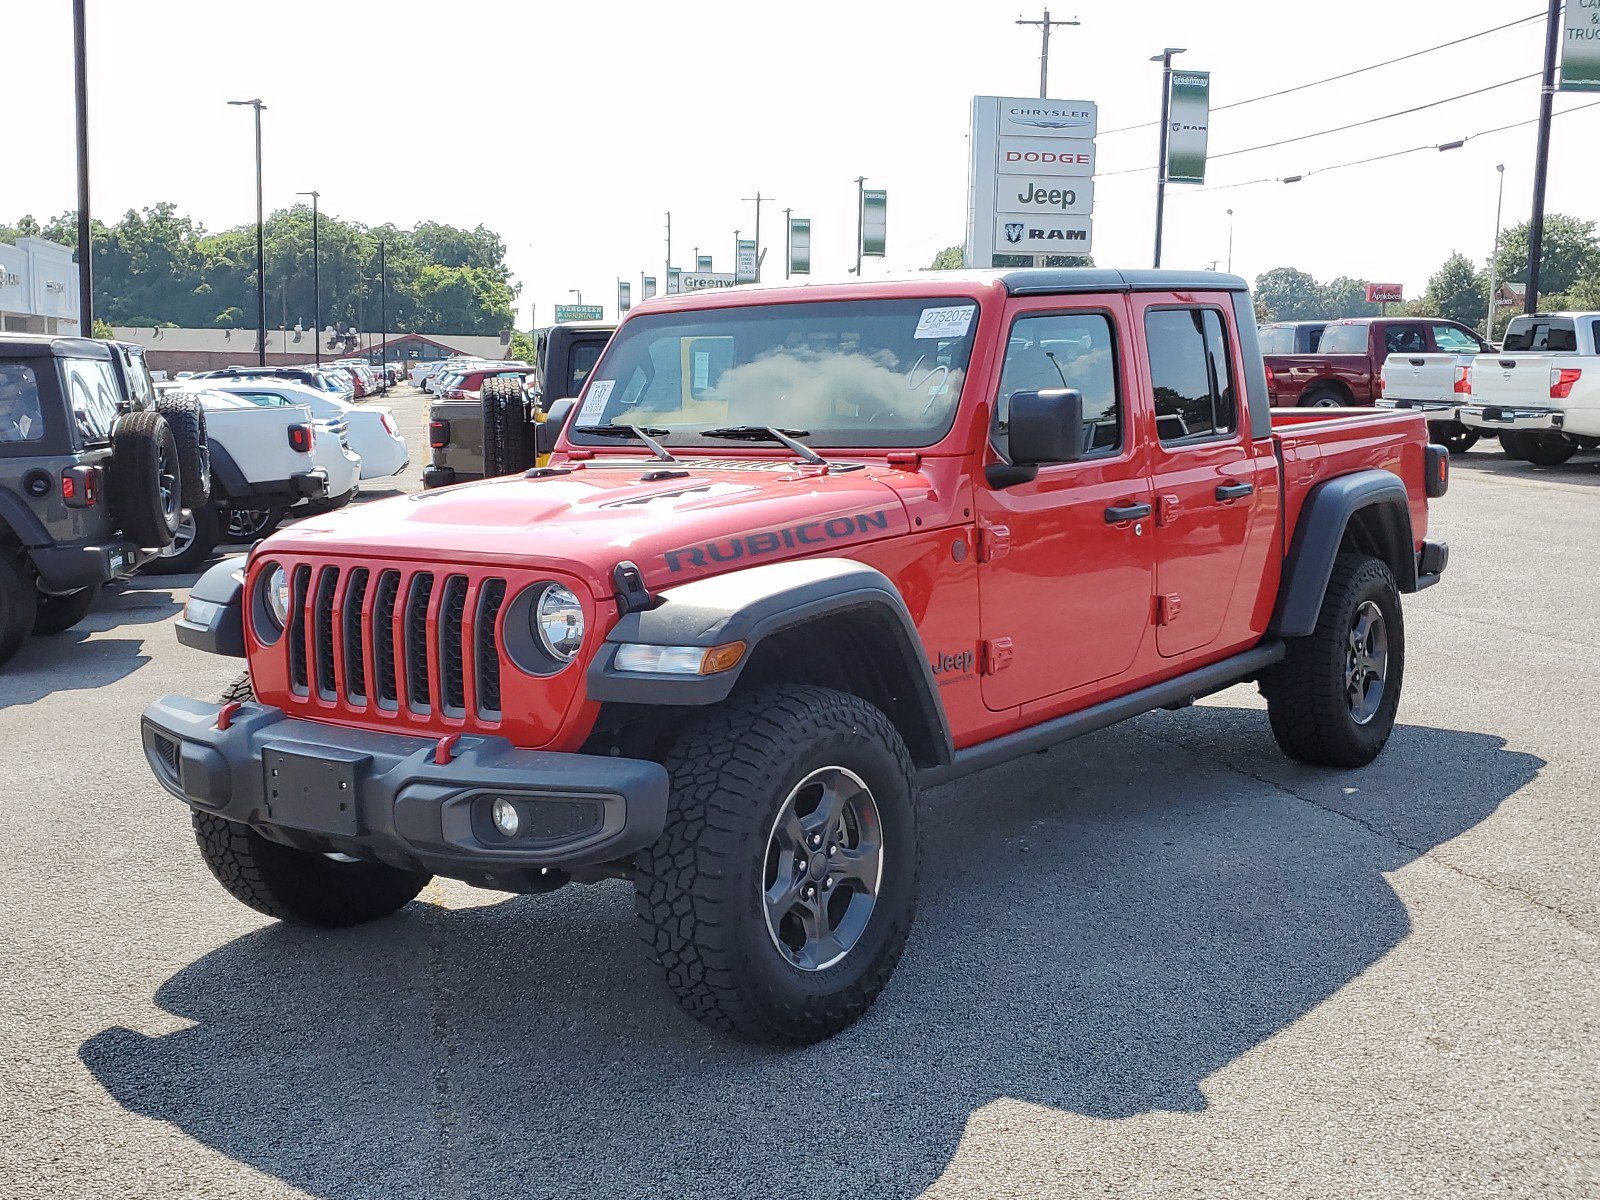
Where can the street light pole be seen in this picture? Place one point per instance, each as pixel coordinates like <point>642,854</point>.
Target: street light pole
<point>759,200</point>
<point>80,88</point>
<point>1044,50</point>
<point>788,241</point>
<point>1494,256</point>
<point>666,277</point>
<point>861,216</point>
<point>1541,167</point>
<point>383,312</point>
<point>1230,241</point>
<point>316,278</point>
<point>1165,59</point>
<point>261,254</point>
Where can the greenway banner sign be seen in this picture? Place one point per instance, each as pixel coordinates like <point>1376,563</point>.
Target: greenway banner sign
<point>874,223</point>
<point>1189,117</point>
<point>704,281</point>
<point>1030,180</point>
<point>799,246</point>
<point>1580,47</point>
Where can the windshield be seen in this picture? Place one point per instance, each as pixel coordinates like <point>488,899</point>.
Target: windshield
<point>849,373</point>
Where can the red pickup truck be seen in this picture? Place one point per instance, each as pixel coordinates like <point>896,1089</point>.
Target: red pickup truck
<point>801,553</point>
<point>1347,366</point>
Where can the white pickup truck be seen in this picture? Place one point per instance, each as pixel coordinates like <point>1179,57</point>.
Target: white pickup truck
<point>1434,383</point>
<point>1541,390</point>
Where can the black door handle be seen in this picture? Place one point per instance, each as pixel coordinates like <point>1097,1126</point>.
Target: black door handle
<point>1116,514</point>
<point>1235,491</point>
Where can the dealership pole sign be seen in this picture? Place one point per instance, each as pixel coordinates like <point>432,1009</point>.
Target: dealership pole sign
<point>874,223</point>
<point>647,286</point>
<point>799,246</point>
<point>702,262</point>
<point>744,260</point>
<point>1030,178</point>
<point>1580,47</point>
<point>674,278</point>
<point>1189,117</point>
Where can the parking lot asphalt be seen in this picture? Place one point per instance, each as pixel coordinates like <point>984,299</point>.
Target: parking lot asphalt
<point>1159,961</point>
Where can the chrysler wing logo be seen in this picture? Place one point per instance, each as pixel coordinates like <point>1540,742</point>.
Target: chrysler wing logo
<point>1052,122</point>
<point>1013,231</point>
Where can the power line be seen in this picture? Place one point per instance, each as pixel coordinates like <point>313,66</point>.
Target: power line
<point>1303,137</point>
<point>1300,87</point>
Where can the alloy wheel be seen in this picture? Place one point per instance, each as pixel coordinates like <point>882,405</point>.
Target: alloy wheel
<point>823,868</point>
<point>183,539</point>
<point>1366,662</point>
<point>246,523</point>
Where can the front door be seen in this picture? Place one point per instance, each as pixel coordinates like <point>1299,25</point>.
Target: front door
<point>1066,561</point>
<point>1204,473</point>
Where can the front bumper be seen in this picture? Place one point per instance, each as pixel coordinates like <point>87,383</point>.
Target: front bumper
<point>1499,417</point>
<point>386,797</point>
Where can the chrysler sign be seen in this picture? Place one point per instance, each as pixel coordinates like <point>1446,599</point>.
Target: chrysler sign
<point>1031,180</point>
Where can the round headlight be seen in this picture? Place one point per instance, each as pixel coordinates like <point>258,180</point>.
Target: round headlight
<point>277,596</point>
<point>558,620</point>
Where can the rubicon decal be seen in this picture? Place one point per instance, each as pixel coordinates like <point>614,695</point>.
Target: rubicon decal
<point>776,541</point>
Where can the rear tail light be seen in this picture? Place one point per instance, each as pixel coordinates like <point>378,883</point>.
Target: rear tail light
<point>456,394</point>
<point>301,438</point>
<point>80,487</point>
<point>1561,381</point>
<point>438,434</point>
<point>1463,384</point>
<point>1383,385</point>
<point>1272,382</point>
<point>388,423</point>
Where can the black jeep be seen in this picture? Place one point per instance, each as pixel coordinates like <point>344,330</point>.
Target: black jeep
<point>93,476</point>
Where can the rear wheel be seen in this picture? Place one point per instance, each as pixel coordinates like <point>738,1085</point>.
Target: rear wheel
<point>18,606</point>
<point>1453,436</point>
<point>57,614</point>
<point>198,534</point>
<point>1541,447</point>
<point>251,524</point>
<point>1323,397</point>
<point>187,420</point>
<point>146,479</point>
<point>1332,699</point>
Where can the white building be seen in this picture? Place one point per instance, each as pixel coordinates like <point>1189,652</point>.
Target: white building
<point>38,288</point>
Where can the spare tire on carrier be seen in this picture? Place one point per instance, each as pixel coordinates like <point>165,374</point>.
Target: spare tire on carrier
<point>506,448</point>
<point>187,418</point>
<point>146,484</point>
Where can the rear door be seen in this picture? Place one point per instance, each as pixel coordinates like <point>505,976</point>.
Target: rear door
<point>1203,469</point>
<point>1064,576</point>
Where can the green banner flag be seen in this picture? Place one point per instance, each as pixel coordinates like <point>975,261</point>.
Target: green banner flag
<point>799,246</point>
<point>1580,47</point>
<point>874,223</point>
<point>1189,116</point>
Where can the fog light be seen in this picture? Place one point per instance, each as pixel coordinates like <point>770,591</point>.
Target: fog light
<point>505,816</point>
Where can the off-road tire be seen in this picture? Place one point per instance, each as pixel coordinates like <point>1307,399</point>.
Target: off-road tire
<point>187,420</point>
<point>1306,698</point>
<point>1539,447</point>
<point>18,606</point>
<point>505,428</point>
<point>140,442</point>
<point>698,889</point>
<point>207,535</point>
<point>1453,436</point>
<point>1323,397</point>
<point>57,614</point>
<point>292,885</point>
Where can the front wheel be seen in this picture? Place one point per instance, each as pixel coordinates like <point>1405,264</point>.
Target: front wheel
<point>1539,447</point>
<point>780,894</point>
<point>1453,436</point>
<point>1332,699</point>
<point>1323,398</point>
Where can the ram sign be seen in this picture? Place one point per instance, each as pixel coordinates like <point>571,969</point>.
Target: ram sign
<point>1031,181</point>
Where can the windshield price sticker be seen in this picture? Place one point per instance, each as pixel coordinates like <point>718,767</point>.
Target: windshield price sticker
<point>594,404</point>
<point>944,322</point>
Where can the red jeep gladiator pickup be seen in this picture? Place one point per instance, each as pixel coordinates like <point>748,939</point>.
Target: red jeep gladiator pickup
<point>1347,366</point>
<point>800,553</point>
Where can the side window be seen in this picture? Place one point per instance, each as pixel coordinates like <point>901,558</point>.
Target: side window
<point>1191,374</point>
<point>92,391</point>
<point>583,359</point>
<point>1073,350</point>
<point>1455,341</point>
<point>21,418</point>
<point>1403,339</point>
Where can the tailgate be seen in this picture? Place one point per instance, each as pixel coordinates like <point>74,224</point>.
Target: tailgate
<point>1512,380</point>
<point>1422,376</point>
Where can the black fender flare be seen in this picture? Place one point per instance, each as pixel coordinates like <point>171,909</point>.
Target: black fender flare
<point>1325,517</point>
<point>756,603</point>
<point>23,522</point>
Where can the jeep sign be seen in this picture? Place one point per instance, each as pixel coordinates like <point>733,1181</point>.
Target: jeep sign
<point>1031,176</point>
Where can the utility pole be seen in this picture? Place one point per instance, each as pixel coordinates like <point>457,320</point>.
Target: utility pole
<point>788,243</point>
<point>1494,256</point>
<point>316,278</point>
<point>667,274</point>
<point>261,254</point>
<point>1230,241</point>
<point>1165,59</point>
<point>861,216</point>
<point>80,89</point>
<point>1044,51</point>
<point>1541,167</point>
<point>759,200</point>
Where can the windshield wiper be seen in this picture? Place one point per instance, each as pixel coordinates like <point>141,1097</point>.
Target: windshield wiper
<point>641,433</point>
<point>769,433</point>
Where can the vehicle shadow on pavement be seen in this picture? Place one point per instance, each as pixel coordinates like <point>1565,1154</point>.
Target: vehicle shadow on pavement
<point>1101,929</point>
<point>1583,469</point>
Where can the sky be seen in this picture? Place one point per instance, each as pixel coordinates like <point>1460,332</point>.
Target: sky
<point>573,129</point>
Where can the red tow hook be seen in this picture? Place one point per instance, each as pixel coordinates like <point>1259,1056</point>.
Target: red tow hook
<point>444,751</point>
<point>226,713</point>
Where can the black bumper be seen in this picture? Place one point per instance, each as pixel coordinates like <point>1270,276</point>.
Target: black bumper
<point>384,796</point>
<point>71,568</point>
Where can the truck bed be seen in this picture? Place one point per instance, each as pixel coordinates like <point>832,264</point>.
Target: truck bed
<point>1315,444</point>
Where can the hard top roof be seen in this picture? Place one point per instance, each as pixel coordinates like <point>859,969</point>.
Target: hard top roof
<point>32,345</point>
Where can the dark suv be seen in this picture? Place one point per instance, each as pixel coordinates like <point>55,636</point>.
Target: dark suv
<point>93,479</point>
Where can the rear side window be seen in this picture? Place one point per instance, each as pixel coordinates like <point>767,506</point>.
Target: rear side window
<point>1071,350</point>
<point>21,416</point>
<point>1191,375</point>
<point>1456,341</point>
<point>1277,339</point>
<point>1404,339</point>
<point>1343,339</point>
<point>92,392</point>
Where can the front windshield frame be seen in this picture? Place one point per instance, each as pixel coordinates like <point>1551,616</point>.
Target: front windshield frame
<point>936,375</point>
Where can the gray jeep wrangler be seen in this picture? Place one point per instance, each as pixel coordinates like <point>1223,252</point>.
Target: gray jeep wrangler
<point>94,476</point>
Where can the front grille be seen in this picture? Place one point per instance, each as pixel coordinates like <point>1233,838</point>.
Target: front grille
<point>402,642</point>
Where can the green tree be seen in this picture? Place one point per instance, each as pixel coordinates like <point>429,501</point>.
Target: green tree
<point>102,329</point>
<point>1458,292</point>
<point>948,259</point>
<point>1346,297</point>
<point>523,346</point>
<point>1571,252</point>
<point>1289,295</point>
<point>1583,296</point>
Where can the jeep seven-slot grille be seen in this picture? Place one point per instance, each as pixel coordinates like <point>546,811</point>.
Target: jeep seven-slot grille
<point>362,636</point>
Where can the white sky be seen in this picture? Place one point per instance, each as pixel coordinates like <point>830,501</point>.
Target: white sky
<point>572,128</point>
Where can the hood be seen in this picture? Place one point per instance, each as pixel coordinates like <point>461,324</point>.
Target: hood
<point>675,522</point>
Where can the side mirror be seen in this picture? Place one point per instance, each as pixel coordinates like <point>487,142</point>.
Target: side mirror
<point>548,431</point>
<point>1042,427</point>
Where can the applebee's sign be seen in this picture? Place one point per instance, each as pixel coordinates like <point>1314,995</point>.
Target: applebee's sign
<point>1385,293</point>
